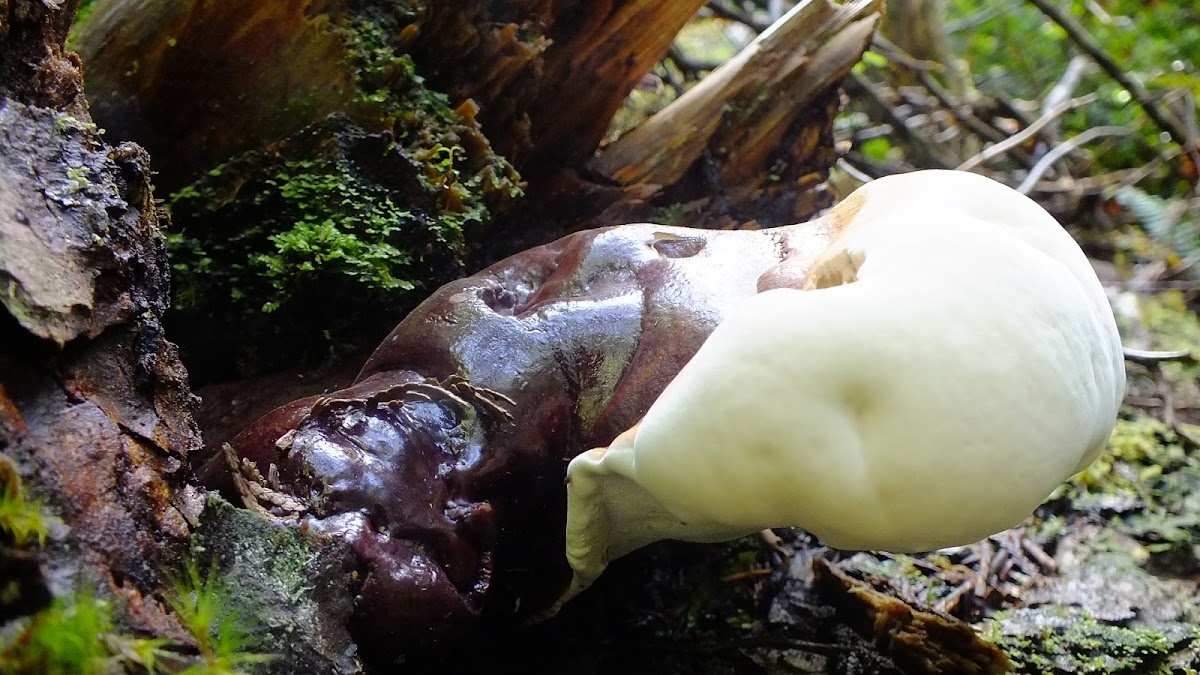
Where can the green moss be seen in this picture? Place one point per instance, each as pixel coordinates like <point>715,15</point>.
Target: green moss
<point>671,214</point>
<point>67,124</point>
<point>1171,323</point>
<point>81,16</point>
<point>204,607</point>
<point>425,123</point>
<point>719,595</point>
<point>328,224</point>
<point>314,247</point>
<point>301,251</point>
<point>1077,644</point>
<point>77,634</point>
<point>1138,451</point>
<point>68,637</point>
<point>1150,478</point>
<point>297,590</point>
<point>23,521</point>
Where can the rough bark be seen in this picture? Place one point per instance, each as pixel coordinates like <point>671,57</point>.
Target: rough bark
<point>96,406</point>
<point>201,81</point>
<point>547,95</point>
<point>228,96</point>
<point>34,66</point>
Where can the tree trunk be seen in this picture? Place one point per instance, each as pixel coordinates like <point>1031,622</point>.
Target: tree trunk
<point>197,81</point>
<point>96,426</point>
<point>95,410</point>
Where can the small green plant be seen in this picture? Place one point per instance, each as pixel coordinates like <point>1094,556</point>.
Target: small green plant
<point>67,637</point>
<point>201,603</point>
<point>307,251</point>
<point>323,224</point>
<point>1149,476</point>
<point>78,177</point>
<point>77,635</point>
<point>1138,451</point>
<point>22,520</point>
<point>65,124</point>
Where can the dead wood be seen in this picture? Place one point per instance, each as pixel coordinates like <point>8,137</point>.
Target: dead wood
<point>95,411</point>
<point>196,82</point>
<point>763,120</point>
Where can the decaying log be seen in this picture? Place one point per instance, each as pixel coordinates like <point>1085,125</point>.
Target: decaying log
<point>546,100</point>
<point>921,641</point>
<point>763,118</point>
<point>543,77</point>
<point>94,403</point>
<point>96,426</point>
<point>748,147</point>
<point>236,99</point>
<point>196,82</point>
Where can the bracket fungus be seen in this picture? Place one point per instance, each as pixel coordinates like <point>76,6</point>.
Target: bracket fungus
<point>950,360</point>
<point>918,368</point>
<point>442,467</point>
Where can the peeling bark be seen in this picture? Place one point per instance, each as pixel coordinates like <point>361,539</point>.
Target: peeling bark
<point>95,407</point>
<point>98,410</point>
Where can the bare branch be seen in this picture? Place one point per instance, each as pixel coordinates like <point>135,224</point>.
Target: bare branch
<point>1145,356</point>
<point>1135,88</point>
<point>1065,88</point>
<point>922,151</point>
<point>1060,151</point>
<point>1023,135</point>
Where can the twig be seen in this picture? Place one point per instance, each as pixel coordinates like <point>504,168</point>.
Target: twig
<point>895,53</point>
<point>925,153</point>
<point>1097,184</point>
<point>1155,402</point>
<point>985,568</point>
<point>1147,357</point>
<point>972,20</point>
<point>1139,93</point>
<point>1010,107</point>
<point>960,111</point>
<point>1010,541</point>
<point>853,171</point>
<point>1023,135</point>
<point>747,574</point>
<point>764,641</point>
<point>689,65</point>
<point>948,604</point>
<point>1164,391</point>
<point>1064,89</point>
<point>1034,549</point>
<point>1061,150</point>
<point>669,74</point>
<point>722,11</point>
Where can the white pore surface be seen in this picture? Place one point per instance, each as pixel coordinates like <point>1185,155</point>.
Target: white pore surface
<point>972,366</point>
